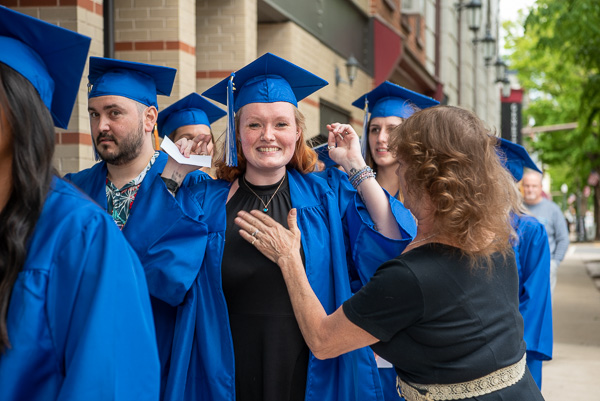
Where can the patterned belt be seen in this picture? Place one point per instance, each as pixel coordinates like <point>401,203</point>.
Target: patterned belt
<point>495,381</point>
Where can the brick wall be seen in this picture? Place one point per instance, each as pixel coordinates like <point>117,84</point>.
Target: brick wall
<point>73,145</point>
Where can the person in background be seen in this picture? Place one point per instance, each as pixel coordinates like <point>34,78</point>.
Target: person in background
<point>247,344</point>
<point>532,252</point>
<point>385,108</point>
<point>156,213</point>
<point>445,313</point>
<point>191,118</point>
<point>550,215</point>
<point>75,315</point>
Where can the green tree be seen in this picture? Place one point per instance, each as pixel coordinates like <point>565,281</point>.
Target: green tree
<point>558,62</point>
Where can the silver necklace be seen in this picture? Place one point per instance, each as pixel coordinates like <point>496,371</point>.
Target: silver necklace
<point>423,239</point>
<point>266,205</point>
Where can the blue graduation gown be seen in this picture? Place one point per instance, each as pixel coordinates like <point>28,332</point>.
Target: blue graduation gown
<point>79,318</point>
<point>169,239</point>
<point>335,227</point>
<point>535,304</point>
<point>388,383</point>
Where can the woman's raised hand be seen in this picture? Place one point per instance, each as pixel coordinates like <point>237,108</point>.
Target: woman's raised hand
<point>344,146</point>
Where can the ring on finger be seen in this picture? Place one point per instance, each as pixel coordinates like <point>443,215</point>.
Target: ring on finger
<point>329,147</point>
<point>253,241</point>
<point>255,232</point>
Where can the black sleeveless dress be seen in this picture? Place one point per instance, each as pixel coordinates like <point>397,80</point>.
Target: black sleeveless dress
<point>271,356</point>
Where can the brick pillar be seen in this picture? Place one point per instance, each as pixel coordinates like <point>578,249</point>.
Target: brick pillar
<point>226,40</point>
<point>160,32</point>
<point>73,145</point>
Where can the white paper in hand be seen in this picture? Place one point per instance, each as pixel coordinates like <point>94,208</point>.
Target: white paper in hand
<point>194,160</point>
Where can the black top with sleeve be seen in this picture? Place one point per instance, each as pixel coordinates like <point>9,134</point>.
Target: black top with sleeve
<point>440,321</point>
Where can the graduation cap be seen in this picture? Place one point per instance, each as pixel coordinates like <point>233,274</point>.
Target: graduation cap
<point>267,79</point>
<point>191,110</point>
<point>515,158</point>
<point>50,57</point>
<point>389,100</point>
<point>323,154</point>
<point>136,81</point>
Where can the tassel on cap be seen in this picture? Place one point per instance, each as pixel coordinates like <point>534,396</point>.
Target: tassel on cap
<point>230,140</point>
<point>365,134</point>
<point>156,140</point>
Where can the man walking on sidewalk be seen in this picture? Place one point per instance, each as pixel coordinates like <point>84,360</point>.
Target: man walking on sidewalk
<point>550,215</point>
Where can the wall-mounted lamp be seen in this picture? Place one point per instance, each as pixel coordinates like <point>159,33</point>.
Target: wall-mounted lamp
<point>502,76</point>
<point>474,13</point>
<point>351,70</point>
<point>506,87</point>
<point>500,66</point>
<point>489,46</point>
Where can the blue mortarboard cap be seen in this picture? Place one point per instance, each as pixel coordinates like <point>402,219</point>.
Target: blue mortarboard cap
<point>136,81</point>
<point>267,79</point>
<point>389,100</point>
<point>515,158</point>
<point>323,154</point>
<point>50,57</point>
<point>191,110</point>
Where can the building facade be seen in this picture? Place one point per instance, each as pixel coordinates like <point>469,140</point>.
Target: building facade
<point>424,45</point>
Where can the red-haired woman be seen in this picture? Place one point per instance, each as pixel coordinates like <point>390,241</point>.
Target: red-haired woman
<point>247,337</point>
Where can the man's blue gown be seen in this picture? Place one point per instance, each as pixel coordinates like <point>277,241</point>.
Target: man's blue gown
<point>169,239</point>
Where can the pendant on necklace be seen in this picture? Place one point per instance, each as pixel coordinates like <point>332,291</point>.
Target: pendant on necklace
<point>266,205</point>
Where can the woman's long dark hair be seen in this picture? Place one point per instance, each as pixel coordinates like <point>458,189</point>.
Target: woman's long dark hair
<point>26,122</point>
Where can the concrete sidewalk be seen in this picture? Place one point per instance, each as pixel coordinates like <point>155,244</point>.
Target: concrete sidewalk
<point>574,372</point>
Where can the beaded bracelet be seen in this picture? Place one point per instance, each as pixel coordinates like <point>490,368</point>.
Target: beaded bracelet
<point>354,177</point>
<point>361,178</point>
<point>357,173</point>
<point>357,178</point>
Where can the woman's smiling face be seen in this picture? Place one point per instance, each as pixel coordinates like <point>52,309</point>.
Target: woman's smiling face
<point>268,134</point>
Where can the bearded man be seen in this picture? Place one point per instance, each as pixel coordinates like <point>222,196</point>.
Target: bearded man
<point>157,214</point>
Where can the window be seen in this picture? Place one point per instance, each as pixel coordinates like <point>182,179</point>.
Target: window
<point>329,113</point>
<point>413,7</point>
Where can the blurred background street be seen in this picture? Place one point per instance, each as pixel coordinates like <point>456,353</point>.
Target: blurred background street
<point>574,372</point>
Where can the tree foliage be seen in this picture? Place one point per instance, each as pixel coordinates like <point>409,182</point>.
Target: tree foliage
<point>557,59</point>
